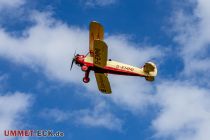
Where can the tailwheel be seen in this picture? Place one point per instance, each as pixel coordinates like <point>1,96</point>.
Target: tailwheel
<point>150,78</point>
<point>86,79</point>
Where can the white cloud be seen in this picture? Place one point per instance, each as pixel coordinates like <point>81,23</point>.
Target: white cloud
<point>55,115</point>
<point>99,116</point>
<point>10,3</point>
<point>131,93</point>
<point>49,47</point>
<point>12,109</point>
<point>101,3</point>
<point>123,50</point>
<point>184,113</point>
<point>193,31</point>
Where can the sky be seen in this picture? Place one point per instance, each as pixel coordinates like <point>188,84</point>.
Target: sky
<point>38,92</point>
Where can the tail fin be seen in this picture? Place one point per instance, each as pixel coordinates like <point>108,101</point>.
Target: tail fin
<point>151,70</point>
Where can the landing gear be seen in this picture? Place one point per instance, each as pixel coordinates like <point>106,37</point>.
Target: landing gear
<point>86,79</point>
<point>150,78</point>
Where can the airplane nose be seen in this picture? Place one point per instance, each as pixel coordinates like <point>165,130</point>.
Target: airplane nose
<point>79,59</point>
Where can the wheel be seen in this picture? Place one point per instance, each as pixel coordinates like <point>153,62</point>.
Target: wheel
<point>86,79</point>
<point>150,78</point>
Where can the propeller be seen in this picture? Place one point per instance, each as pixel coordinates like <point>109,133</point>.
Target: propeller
<point>73,60</point>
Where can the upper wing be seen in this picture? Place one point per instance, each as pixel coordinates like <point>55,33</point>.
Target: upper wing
<point>103,83</point>
<point>100,53</point>
<point>96,31</point>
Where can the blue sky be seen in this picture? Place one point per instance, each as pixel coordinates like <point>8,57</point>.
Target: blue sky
<point>37,90</point>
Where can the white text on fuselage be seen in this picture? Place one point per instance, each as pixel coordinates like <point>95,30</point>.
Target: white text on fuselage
<point>124,68</point>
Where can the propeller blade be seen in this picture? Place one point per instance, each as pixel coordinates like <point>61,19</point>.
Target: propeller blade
<point>73,60</point>
<point>72,63</point>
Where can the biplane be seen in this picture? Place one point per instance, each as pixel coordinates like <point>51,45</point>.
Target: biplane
<point>97,60</point>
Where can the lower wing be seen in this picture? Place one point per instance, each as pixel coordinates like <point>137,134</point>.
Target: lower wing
<point>103,83</point>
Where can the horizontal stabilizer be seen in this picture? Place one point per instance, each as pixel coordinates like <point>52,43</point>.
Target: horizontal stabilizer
<point>150,69</point>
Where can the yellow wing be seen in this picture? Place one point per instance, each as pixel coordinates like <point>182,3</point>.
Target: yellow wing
<point>100,53</point>
<point>103,83</point>
<point>96,31</point>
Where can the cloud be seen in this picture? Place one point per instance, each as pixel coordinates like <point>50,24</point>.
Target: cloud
<point>126,51</point>
<point>49,45</point>
<point>13,106</point>
<point>99,116</point>
<point>193,31</point>
<point>184,113</point>
<point>184,104</point>
<point>55,115</point>
<point>100,3</point>
<point>10,3</point>
<point>131,93</point>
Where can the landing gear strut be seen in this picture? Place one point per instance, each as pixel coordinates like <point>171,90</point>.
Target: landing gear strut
<point>86,79</point>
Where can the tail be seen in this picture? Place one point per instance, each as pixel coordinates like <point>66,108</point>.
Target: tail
<point>150,70</point>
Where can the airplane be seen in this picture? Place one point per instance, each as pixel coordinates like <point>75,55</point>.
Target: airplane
<point>97,60</point>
